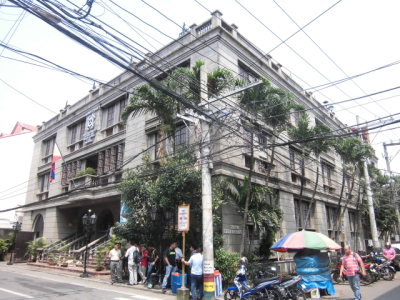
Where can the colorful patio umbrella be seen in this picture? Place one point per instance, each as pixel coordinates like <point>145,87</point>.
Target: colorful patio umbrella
<point>305,239</point>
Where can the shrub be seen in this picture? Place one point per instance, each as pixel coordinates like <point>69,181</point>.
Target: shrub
<point>87,171</point>
<point>33,246</point>
<point>227,263</point>
<point>5,244</point>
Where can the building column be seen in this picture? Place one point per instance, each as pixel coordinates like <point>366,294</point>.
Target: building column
<point>320,220</point>
<point>286,202</point>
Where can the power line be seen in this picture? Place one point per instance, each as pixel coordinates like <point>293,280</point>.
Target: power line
<point>27,97</point>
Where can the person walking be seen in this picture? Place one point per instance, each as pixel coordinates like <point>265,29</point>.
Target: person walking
<point>152,264</point>
<point>115,256</point>
<point>196,273</point>
<point>133,263</point>
<point>170,265</point>
<point>351,263</point>
<point>143,263</point>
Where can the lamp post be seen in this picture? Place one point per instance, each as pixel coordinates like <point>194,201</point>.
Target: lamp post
<point>16,227</point>
<point>88,222</point>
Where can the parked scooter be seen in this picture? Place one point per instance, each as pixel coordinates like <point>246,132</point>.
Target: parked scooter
<point>262,290</point>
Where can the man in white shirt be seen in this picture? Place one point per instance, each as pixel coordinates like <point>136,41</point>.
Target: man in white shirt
<point>115,258</point>
<point>196,273</point>
<point>133,266</point>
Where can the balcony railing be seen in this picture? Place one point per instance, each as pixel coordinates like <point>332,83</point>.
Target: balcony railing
<point>88,181</point>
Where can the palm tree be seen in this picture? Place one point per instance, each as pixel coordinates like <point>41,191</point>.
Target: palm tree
<point>303,130</point>
<point>274,104</point>
<point>260,213</point>
<point>353,152</point>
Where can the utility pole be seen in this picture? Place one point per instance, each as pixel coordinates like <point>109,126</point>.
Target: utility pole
<point>206,199</point>
<point>371,210</point>
<point>387,159</point>
<point>393,199</point>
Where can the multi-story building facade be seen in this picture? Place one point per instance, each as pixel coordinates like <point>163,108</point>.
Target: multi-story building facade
<point>90,134</point>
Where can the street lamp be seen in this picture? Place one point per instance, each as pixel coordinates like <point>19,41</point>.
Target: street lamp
<point>16,227</point>
<point>88,222</point>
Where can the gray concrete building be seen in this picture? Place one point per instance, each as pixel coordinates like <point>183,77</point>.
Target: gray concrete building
<point>90,134</point>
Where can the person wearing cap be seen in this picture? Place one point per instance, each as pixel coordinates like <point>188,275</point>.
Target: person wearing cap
<point>115,256</point>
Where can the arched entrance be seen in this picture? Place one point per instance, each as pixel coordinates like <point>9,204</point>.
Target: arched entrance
<point>38,226</point>
<point>105,220</point>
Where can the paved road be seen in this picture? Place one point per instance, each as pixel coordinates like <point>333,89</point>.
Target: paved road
<point>380,290</point>
<point>19,283</point>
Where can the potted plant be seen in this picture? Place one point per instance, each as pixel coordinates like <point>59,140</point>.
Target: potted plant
<point>53,258</point>
<point>101,254</point>
<point>32,250</point>
<point>87,171</point>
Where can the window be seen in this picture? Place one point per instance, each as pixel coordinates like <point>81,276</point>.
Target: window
<point>76,132</point>
<point>181,137</point>
<point>300,213</point>
<point>43,186</point>
<point>48,146</point>
<point>332,219</point>
<point>155,145</point>
<point>247,161</point>
<point>327,173</point>
<point>112,116</point>
<point>246,74</point>
<point>297,161</point>
<point>263,166</point>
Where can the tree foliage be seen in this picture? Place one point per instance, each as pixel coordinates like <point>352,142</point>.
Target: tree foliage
<point>265,217</point>
<point>183,81</point>
<point>152,195</point>
<point>274,104</point>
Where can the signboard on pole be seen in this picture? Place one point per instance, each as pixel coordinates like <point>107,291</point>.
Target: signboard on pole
<point>183,217</point>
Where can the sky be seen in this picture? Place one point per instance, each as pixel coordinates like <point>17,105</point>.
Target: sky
<point>356,35</point>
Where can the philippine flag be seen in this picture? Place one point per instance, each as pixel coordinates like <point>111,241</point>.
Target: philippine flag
<point>56,157</point>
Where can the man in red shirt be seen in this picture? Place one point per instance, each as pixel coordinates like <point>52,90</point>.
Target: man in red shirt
<point>351,263</point>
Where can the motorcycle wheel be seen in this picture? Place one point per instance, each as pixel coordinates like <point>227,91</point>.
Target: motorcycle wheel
<point>335,276</point>
<point>273,295</point>
<point>297,294</point>
<point>231,295</point>
<point>367,279</point>
<point>389,274</point>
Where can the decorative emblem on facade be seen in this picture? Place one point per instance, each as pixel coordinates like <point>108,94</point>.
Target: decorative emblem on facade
<point>90,128</point>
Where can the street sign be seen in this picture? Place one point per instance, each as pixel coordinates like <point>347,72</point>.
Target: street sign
<point>183,217</point>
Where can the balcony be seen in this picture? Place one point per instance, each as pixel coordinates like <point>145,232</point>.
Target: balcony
<point>90,181</point>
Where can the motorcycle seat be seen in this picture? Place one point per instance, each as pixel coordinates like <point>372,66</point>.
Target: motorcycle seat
<point>262,280</point>
<point>284,279</point>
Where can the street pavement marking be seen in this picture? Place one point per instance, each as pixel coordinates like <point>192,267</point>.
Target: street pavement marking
<point>15,293</point>
<point>145,297</point>
<point>121,298</point>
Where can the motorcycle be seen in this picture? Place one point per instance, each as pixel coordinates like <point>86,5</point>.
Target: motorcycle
<point>290,289</point>
<point>383,270</point>
<point>260,291</point>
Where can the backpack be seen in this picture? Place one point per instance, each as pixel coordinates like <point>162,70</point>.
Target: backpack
<point>136,257</point>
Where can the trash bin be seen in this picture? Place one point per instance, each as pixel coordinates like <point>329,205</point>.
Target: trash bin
<point>218,283</point>
<point>176,281</point>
